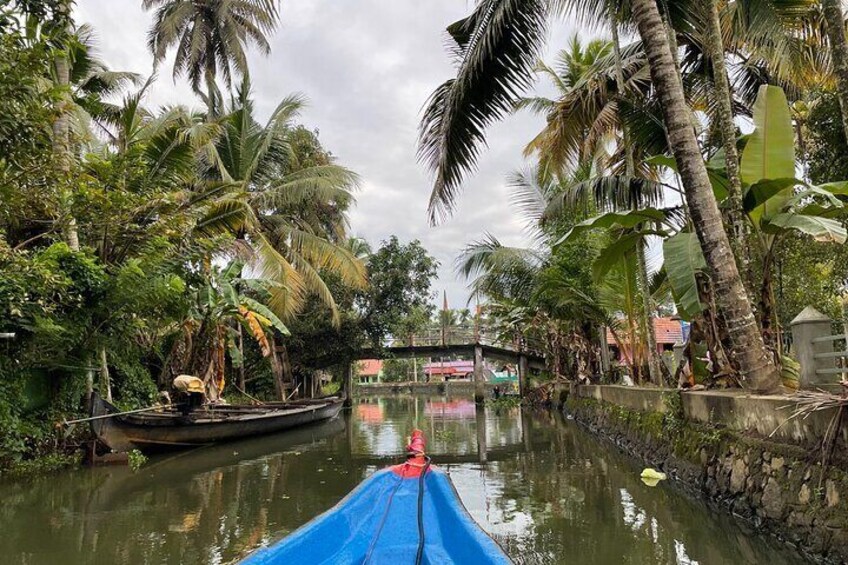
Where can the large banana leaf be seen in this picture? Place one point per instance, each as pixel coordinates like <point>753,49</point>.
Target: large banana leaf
<point>625,220</point>
<point>838,188</point>
<point>821,229</point>
<point>614,253</point>
<point>770,150</point>
<point>683,259</point>
<point>764,190</point>
<point>266,313</point>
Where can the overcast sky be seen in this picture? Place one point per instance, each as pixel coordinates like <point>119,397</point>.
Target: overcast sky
<point>367,67</point>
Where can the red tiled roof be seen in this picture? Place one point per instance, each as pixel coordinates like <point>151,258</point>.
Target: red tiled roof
<point>667,330</point>
<point>448,367</point>
<point>370,367</point>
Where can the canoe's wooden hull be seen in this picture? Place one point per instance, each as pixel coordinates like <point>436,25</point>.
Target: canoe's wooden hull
<point>154,431</point>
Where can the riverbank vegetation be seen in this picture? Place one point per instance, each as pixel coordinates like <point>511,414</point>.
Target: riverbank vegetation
<point>712,131</point>
<point>140,243</point>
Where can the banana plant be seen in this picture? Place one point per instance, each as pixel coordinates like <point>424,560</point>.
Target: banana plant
<point>776,204</point>
<point>615,267</point>
<point>222,309</point>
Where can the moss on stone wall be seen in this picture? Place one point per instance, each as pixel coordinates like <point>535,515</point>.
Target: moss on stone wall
<point>779,487</point>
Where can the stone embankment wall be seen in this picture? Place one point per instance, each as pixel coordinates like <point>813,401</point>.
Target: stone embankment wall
<point>709,444</point>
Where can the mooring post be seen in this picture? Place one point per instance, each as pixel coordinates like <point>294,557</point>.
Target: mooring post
<point>523,375</point>
<point>479,380</point>
<point>348,384</point>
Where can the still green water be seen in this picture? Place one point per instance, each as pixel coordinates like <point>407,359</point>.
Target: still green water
<point>543,488</point>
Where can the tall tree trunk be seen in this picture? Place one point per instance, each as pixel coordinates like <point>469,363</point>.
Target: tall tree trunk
<point>669,32</point>
<point>733,211</point>
<point>61,127</point>
<point>276,369</point>
<point>105,380</point>
<point>756,365</point>
<point>241,378</point>
<point>839,53</point>
<point>646,318</point>
<point>630,168</point>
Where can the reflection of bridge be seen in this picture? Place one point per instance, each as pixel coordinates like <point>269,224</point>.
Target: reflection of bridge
<point>476,342</point>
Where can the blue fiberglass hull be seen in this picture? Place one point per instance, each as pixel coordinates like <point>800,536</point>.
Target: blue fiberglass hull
<point>351,531</point>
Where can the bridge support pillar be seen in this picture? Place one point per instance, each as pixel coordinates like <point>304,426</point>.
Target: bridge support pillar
<point>482,447</point>
<point>348,384</point>
<point>523,375</point>
<point>479,378</point>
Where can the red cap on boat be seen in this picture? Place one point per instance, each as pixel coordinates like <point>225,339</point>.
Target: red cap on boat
<point>417,443</point>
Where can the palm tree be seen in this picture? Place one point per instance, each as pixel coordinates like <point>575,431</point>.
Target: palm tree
<point>291,218</point>
<point>547,291</point>
<point>92,83</point>
<point>580,121</point>
<point>497,46</point>
<point>210,37</point>
<point>83,82</point>
<point>528,293</point>
<point>766,34</point>
<point>727,127</point>
<point>756,364</point>
<point>583,123</point>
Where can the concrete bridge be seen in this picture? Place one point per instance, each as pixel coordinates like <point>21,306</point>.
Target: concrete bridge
<point>474,341</point>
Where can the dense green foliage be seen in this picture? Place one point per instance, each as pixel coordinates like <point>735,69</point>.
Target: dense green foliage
<point>826,150</point>
<point>140,244</point>
<point>610,145</point>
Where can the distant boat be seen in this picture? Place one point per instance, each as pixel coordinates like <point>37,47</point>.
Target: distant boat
<point>406,514</point>
<point>169,428</point>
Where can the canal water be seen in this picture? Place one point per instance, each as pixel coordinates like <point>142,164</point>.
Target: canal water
<point>547,491</point>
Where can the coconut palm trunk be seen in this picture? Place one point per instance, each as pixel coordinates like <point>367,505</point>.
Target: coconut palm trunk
<point>733,212</point>
<point>646,318</point>
<point>756,365</point>
<point>61,129</point>
<point>835,21</point>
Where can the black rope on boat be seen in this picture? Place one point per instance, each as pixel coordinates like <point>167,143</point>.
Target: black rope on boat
<point>382,523</point>
<point>419,556</point>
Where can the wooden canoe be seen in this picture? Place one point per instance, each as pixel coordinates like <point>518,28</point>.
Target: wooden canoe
<point>168,428</point>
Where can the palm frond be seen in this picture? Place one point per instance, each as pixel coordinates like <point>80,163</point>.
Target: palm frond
<point>531,194</point>
<point>607,193</point>
<point>321,254</point>
<point>323,183</point>
<point>496,48</point>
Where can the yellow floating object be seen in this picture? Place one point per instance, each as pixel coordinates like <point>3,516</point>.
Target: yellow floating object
<point>653,475</point>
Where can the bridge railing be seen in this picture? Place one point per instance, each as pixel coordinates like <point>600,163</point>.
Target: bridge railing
<point>467,335</point>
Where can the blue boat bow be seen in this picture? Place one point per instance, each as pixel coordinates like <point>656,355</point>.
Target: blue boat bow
<point>378,523</point>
